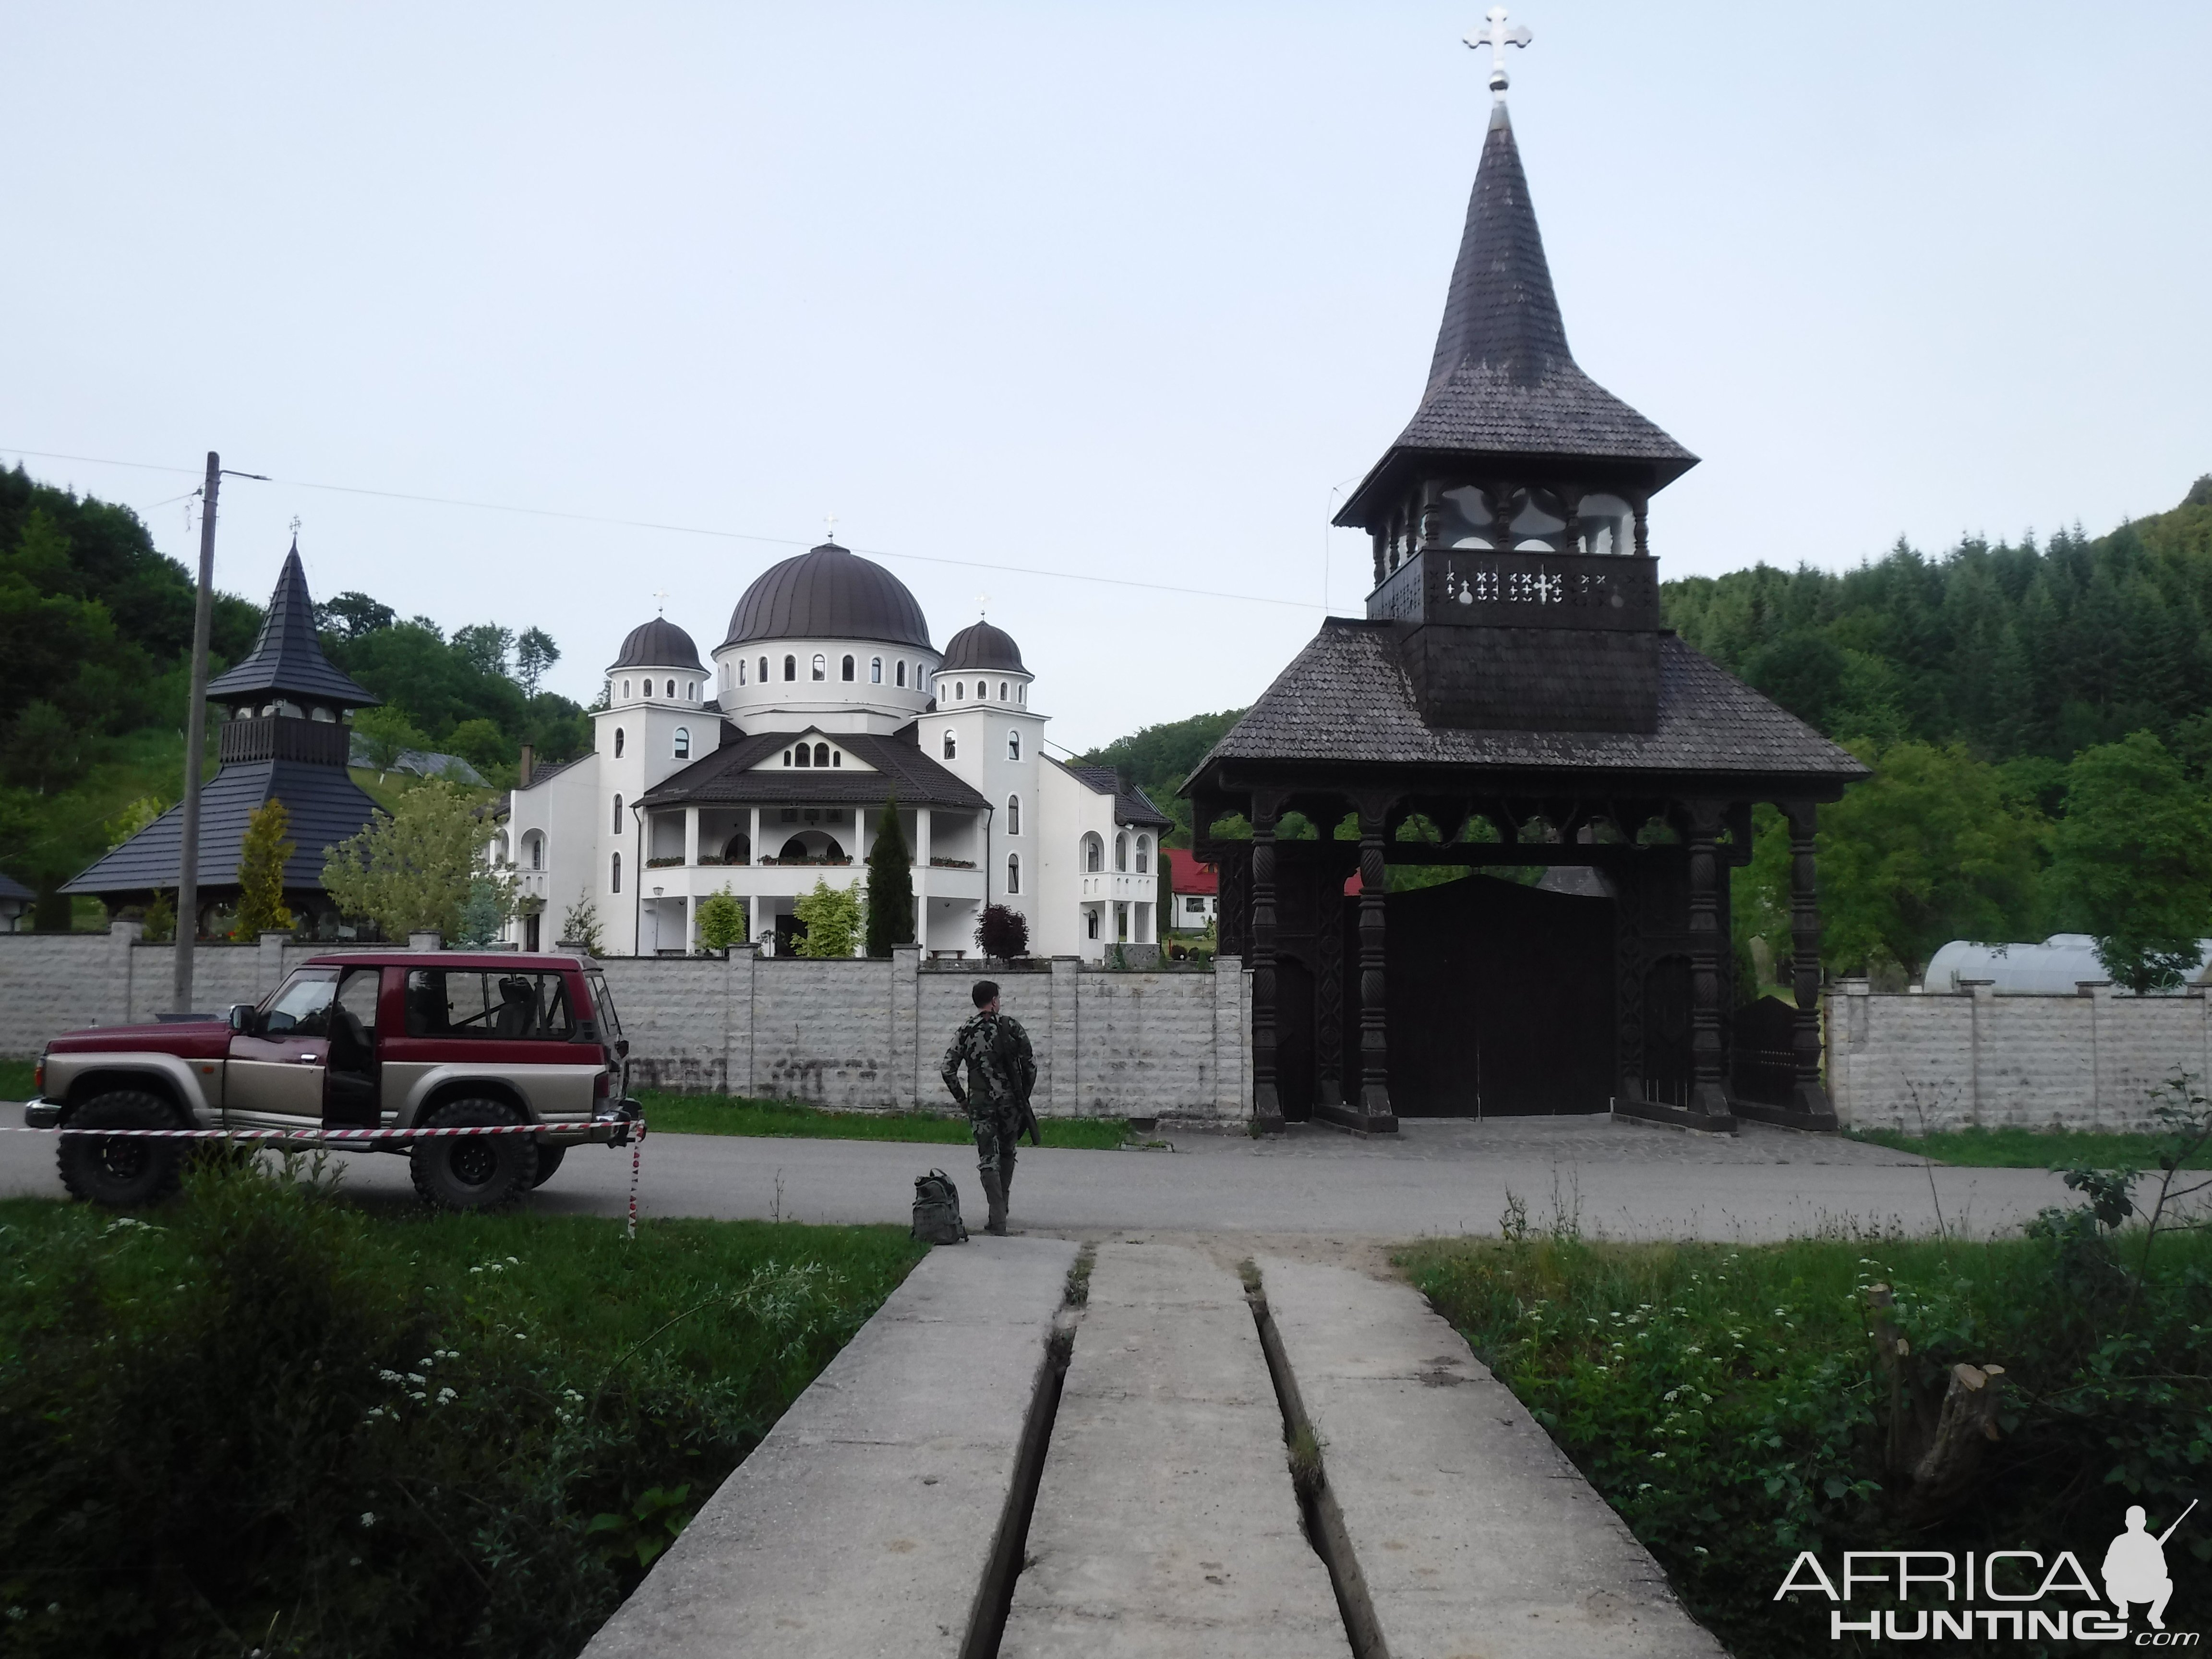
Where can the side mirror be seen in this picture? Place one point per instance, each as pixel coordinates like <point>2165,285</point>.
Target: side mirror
<point>621,1047</point>
<point>241,1018</point>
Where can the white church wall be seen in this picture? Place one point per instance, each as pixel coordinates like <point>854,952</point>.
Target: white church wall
<point>830,703</point>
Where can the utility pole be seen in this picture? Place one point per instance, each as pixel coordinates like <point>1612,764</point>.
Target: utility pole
<point>188,853</point>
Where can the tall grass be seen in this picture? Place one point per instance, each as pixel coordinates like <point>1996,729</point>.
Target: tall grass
<point>258,1418</point>
<point>737,1114</point>
<point>2033,1149</point>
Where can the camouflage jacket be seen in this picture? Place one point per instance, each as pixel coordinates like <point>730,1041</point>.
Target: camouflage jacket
<point>1001,1070</point>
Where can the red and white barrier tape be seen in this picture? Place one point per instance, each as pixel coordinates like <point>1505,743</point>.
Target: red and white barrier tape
<point>352,1136</point>
<point>636,1157</point>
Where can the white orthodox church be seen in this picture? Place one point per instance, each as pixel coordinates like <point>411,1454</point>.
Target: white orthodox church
<point>770,771</point>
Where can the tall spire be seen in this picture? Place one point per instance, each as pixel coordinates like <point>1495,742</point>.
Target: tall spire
<point>288,656</point>
<point>1499,310</point>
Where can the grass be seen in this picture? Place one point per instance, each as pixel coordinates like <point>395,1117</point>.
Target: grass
<point>735,1115</point>
<point>16,1080</point>
<point>1725,1400</point>
<point>2031,1149</point>
<point>258,1409</point>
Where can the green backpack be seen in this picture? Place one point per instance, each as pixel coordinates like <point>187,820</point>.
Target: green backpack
<point>937,1210</point>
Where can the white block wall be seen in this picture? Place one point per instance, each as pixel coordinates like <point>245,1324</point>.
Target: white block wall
<point>1921,1063</point>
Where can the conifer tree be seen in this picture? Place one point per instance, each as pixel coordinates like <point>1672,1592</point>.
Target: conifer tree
<point>261,858</point>
<point>890,886</point>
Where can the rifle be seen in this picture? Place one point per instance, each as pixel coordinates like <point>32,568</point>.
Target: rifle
<point>1029,1124</point>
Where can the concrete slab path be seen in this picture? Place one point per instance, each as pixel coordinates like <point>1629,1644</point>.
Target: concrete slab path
<point>1165,1522</point>
<point>865,1522</point>
<point>1439,1176</point>
<point>1472,1531</point>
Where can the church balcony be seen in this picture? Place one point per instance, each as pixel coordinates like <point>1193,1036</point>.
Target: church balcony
<point>283,737</point>
<point>1120,886</point>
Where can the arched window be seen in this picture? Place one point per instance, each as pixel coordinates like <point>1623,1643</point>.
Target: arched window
<point>836,757</point>
<point>1002,690</point>
<point>1094,854</point>
<point>617,814</point>
<point>1121,854</point>
<point>1144,855</point>
<point>763,671</point>
<point>791,668</point>
<point>902,672</point>
<point>741,670</point>
<point>806,755</point>
<point>846,673</point>
<point>952,745</point>
<point>875,671</point>
<point>533,848</point>
<point>960,690</point>
<point>822,754</point>
<point>1014,815</point>
<point>618,742</point>
<point>691,691</point>
<point>821,666</point>
<point>671,690</point>
<point>498,849</point>
<point>626,692</point>
<point>1013,872</point>
<point>1013,745</point>
<point>786,757</point>
<point>1021,694</point>
<point>614,874</point>
<point>682,751</point>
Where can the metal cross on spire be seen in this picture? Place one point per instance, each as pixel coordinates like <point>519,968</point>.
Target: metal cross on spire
<point>662,595</point>
<point>830,520</point>
<point>1497,35</point>
<point>982,605</point>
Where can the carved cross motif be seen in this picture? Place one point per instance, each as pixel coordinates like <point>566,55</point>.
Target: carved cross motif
<point>1497,35</point>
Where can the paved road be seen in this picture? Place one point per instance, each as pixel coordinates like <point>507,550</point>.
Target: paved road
<point>1437,1177</point>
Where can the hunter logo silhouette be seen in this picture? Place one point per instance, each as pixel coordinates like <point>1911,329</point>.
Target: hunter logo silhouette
<point>2135,1566</point>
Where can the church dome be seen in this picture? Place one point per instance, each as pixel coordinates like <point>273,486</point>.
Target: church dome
<point>978,645</point>
<point>829,593</point>
<point>658,644</point>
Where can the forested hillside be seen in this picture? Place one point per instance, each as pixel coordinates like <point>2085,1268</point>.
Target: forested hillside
<point>95,641</point>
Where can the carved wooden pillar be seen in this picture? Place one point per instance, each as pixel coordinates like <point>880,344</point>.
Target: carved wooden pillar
<point>1374,1027</point>
<point>1642,533</point>
<point>1432,514</point>
<point>1328,987</point>
<point>1809,1096</point>
<point>1267,1096</point>
<point>1381,566</point>
<point>1707,1062</point>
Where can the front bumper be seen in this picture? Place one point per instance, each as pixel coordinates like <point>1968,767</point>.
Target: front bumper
<point>610,1125</point>
<point>42,1114</point>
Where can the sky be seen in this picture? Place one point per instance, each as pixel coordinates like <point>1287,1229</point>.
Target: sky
<point>1123,292</point>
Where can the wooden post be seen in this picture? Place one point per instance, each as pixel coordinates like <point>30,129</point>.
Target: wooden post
<point>1708,1061</point>
<point>1267,1096</point>
<point>1374,1027</point>
<point>1809,1096</point>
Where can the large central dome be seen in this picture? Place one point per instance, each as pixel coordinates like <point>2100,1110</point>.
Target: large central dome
<point>829,593</point>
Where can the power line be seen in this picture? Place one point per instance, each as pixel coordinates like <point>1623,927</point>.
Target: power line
<point>697,530</point>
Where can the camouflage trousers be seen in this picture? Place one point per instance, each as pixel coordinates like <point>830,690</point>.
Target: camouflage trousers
<point>998,1132</point>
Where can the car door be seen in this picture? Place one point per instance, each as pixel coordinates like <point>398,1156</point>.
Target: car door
<point>275,1069</point>
<point>352,1069</point>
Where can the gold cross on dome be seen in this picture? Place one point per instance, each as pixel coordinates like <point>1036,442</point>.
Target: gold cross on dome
<point>1497,35</point>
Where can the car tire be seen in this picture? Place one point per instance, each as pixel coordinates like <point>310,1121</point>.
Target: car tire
<point>473,1172</point>
<point>549,1160</point>
<point>121,1173</point>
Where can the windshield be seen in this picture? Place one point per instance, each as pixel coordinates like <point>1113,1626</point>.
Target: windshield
<point>605,1005</point>
<point>302,1006</point>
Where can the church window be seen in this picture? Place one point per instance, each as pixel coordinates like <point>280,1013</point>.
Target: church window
<point>534,846</point>
<point>791,668</point>
<point>1090,922</point>
<point>1094,857</point>
<point>1144,854</point>
<point>618,742</point>
<point>902,672</point>
<point>1002,690</point>
<point>326,716</point>
<point>741,670</point>
<point>1021,694</point>
<point>1013,872</point>
<point>845,672</point>
<point>836,757</point>
<point>1013,745</point>
<point>1605,524</point>
<point>821,666</point>
<point>618,814</point>
<point>690,690</point>
<point>671,690</point>
<point>786,757</point>
<point>960,690</point>
<point>982,690</point>
<point>626,693</point>
<point>614,874</point>
<point>806,755</point>
<point>1014,815</point>
<point>763,671</point>
<point>875,671</point>
<point>682,751</point>
<point>739,849</point>
<point>952,745</point>
<point>822,754</point>
<point>1121,854</point>
<point>1537,525</point>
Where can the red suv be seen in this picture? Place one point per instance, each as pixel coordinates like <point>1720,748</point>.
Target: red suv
<point>361,1041</point>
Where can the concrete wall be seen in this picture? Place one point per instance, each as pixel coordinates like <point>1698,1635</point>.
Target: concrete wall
<point>857,1034</point>
<point>2090,1062</point>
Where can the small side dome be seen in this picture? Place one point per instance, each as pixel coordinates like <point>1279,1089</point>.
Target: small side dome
<point>660,644</point>
<point>978,645</point>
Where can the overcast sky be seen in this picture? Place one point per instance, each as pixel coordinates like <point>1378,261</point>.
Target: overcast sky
<point>1113,290</point>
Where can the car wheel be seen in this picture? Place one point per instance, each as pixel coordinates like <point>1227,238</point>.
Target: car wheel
<point>473,1172</point>
<point>549,1160</point>
<point>121,1172</point>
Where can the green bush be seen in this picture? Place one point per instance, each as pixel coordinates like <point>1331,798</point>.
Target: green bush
<point>257,1419</point>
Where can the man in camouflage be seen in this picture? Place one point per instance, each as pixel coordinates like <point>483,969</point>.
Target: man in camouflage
<point>1001,1071</point>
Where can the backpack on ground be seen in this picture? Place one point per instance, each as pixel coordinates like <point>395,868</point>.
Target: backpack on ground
<point>937,1210</point>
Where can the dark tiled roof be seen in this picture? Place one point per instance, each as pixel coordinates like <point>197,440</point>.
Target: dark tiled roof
<point>978,645</point>
<point>288,656</point>
<point>726,778</point>
<point>1345,699</point>
<point>12,889</point>
<point>326,807</point>
<point>1131,806</point>
<point>1502,381</point>
<point>829,593</point>
<point>658,644</point>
